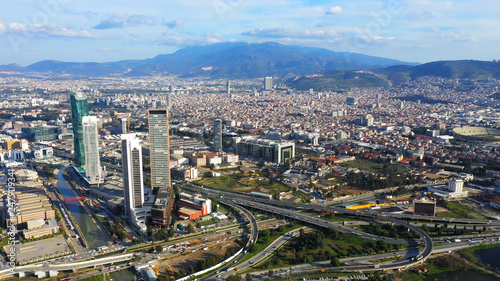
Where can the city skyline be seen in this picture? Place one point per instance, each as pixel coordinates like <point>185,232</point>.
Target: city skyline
<point>410,30</point>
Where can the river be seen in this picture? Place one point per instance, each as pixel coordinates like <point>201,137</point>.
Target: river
<point>124,275</point>
<point>489,257</point>
<point>93,234</point>
<point>461,275</point>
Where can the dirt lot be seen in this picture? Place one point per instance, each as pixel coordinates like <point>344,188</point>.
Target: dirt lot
<point>179,261</point>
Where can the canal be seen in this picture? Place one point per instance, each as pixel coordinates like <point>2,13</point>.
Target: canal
<point>94,236</point>
<point>461,275</point>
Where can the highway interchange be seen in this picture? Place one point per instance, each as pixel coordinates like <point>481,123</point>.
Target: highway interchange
<point>291,211</point>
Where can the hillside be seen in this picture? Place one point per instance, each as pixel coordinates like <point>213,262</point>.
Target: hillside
<point>225,60</point>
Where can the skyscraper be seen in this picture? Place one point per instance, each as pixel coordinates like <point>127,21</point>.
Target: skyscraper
<point>91,149</point>
<point>228,87</point>
<point>268,83</point>
<point>79,109</point>
<point>160,166</point>
<point>123,125</point>
<point>133,185</point>
<point>218,135</point>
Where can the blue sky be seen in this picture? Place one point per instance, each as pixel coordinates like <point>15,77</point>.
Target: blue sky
<point>91,30</point>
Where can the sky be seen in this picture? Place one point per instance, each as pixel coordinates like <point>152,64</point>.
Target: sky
<point>113,30</point>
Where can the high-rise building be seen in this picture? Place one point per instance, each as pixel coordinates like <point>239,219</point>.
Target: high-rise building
<point>228,87</point>
<point>91,149</point>
<point>268,84</point>
<point>218,135</point>
<point>160,166</point>
<point>133,186</point>
<point>351,101</point>
<point>456,185</point>
<point>79,109</point>
<point>123,125</point>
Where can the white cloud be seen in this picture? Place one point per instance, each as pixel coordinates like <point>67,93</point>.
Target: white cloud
<point>453,35</point>
<point>422,15</point>
<point>373,38</point>
<point>175,23</point>
<point>47,30</point>
<point>123,21</point>
<point>289,33</point>
<point>335,10</point>
<point>3,28</point>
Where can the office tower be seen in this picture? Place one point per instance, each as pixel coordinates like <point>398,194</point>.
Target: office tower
<point>456,185</point>
<point>123,125</point>
<point>367,120</point>
<point>268,83</point>
<point>218,135</point>
<point>79,109</point>
<point>351,101</point>
<point>91,148</point>
<point>160,166</point>
<point>228,87</point>
<point>169,100</point>
<point>133,186</point>
<point>170,88</point>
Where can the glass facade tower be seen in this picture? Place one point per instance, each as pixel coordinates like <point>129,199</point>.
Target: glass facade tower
<point>79,109</point>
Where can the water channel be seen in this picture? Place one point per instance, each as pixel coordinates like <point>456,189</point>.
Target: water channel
<point>461,275</point>
<point>93,234</point>
<point>489,257</point>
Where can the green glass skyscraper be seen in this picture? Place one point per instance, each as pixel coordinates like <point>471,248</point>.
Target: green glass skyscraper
<point>79,108</point>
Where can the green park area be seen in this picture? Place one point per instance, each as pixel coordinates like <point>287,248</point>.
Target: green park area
<point>245,183</point>
<point>318,245</point>
<point>372,166</point>
<point>456,209</point>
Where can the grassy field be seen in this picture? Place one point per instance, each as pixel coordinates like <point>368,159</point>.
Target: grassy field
<point>373,167</point>
<point>207,222</point>
<point>458,210</point>
<point>244,184</point>
<point>435,265</point>
<point>346,245</point>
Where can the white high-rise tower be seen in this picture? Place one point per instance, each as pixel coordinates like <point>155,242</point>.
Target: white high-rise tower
<point>133,186</point>
<point>91,147</point>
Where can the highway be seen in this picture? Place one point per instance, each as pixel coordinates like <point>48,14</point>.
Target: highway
<point>270,207</point>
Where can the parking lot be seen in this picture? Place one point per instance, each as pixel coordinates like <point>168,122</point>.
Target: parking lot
<point>40,250</point>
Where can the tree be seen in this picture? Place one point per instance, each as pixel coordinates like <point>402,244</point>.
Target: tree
<point>163,277</point>
<point>335,262</point>
<point>190,228</point>
<point>248,277</point>
<point>234,277</point>
<point>270,273</point>
<point>159,249</point>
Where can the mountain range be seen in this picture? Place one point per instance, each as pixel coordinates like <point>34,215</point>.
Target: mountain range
<point>298,66</point>
<point>222,60</point>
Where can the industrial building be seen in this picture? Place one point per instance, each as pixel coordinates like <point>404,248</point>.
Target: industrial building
<point>194,206</point>
<point>424,207</point>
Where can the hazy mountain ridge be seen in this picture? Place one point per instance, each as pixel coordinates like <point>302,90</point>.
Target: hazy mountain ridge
<point>223,60</point>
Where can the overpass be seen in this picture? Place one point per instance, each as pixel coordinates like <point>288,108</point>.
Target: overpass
<point>70,266</point>
<point>270,206</point>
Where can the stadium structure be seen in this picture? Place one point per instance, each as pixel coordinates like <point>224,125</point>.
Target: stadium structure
<point>479,134</point>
